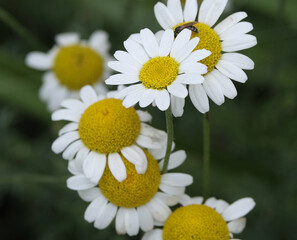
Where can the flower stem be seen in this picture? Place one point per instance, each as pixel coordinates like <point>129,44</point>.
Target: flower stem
<point>206,154</point>
<point>169,126</point>
<point>19,29</point>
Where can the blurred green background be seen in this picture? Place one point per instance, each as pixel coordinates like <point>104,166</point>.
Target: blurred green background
<point>254,143</point>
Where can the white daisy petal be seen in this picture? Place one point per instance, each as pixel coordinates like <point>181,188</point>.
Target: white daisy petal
<point>187,50</point>
<point>131,221</point>
<point>232,71</point>
<point>238,209</point>
<point>178,90</point>
<point>177,106</point>
<point>147,142</point>
<point>156,234</point>
<point>211,202</point>
<point>79,182</point>
<point>74,105</point>
<point>180,42</point>
<point>193,68</point>
<point>163,100</point>
<point>149,42</point>
<point>65,39</point>
<point>166,43</point>
<point>239,43</point>
<point>159,35</point>
<point>190,10</point>
<point>172,190</point>
<point>39,61</point>
<point>185,200</point>
<point>239,60</point>
<point>146,221</point>
<point>147,98</point>
<point>63,141</point>
<point>229,22</point>
<point>135,37</point>
<point>120,221</point>
<point>99,41</point>
<point>199,98</point>
<point>237,225</point>
<point>122,67</point>
<point>167,198</point>
<point>177,179</point>
<point>106,216</point>
<point>158,209</point>
<point>94,165</point>
<point>132,99</point>
<point>65,114</point>
<point>221,206</point>
<point>72,167</point>
<point>68,128</point>
<point>125,57</point>
<point>128,90</point>
<point>136,156</point>
<point>144,116</point>
<point>176,159</point>
<point>164,16</point>
<point>95,208</point>
<point>88,95</point>
<point>197,56</point>
<point>136,50</point>
<point>175,8</point>
<point>117,167</point>
<point>238,29</point>
<point>197,200</point>
<point>90,194</point>
<point>158,136</point>
<point>227,85</point>
<point>72,150</point>
<point>213,89</point>
<point>190,78</point>
<point>211,10</point>
<point>118,79</point>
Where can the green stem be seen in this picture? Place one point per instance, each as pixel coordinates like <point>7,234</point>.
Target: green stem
<point>169,126</point>
<point>206,154</point>
<point>19,29</point>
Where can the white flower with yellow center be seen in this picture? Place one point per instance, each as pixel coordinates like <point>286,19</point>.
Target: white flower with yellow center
<point>71,64</point>
<point>136,203</point>
<point>159,67</point>
<point>103,129</point>
<point>223,41</point>
<point>195,220</point>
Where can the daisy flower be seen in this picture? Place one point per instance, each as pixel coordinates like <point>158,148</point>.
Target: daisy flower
<point>159,68</point>
<point>102,129</point>
<point>223,40</point>
<point>71,64</point>
<point>214,219</point>
<point>137,202</point>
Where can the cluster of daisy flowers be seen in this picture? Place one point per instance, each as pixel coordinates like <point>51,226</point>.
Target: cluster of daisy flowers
<point>119,163</point>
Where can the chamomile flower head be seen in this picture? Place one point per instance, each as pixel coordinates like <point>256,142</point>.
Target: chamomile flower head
<point>71,64</point>
<point>102,130</point>
<point>136,203</point>
<point>214,219</point>
<point>223,40</point>
<point>160,68</point>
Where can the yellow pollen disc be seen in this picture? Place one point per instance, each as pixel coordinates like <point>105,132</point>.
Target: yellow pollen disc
<point>209,40</point>
<point>76,66</point>
<point>137,189</point>
<point>195,222</point>
<point>107,126</point>
<point>159,72</point>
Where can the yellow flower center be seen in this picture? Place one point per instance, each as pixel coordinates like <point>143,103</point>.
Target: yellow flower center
<point>76,66</point>
<point>137,189</point>
<point>209,40</point>
<point>159,72</point>
<point>107,126</point>
<point>195,222</point>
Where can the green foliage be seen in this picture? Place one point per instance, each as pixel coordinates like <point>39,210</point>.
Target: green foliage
<point>253,148</point>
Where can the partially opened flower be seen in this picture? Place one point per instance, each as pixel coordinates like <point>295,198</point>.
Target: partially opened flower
<point>214,220</point>
<point>160,69</point>
<point>103,129</point>
<point>136,203</point>
<point>71,64</point>
<point>224,40</point>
